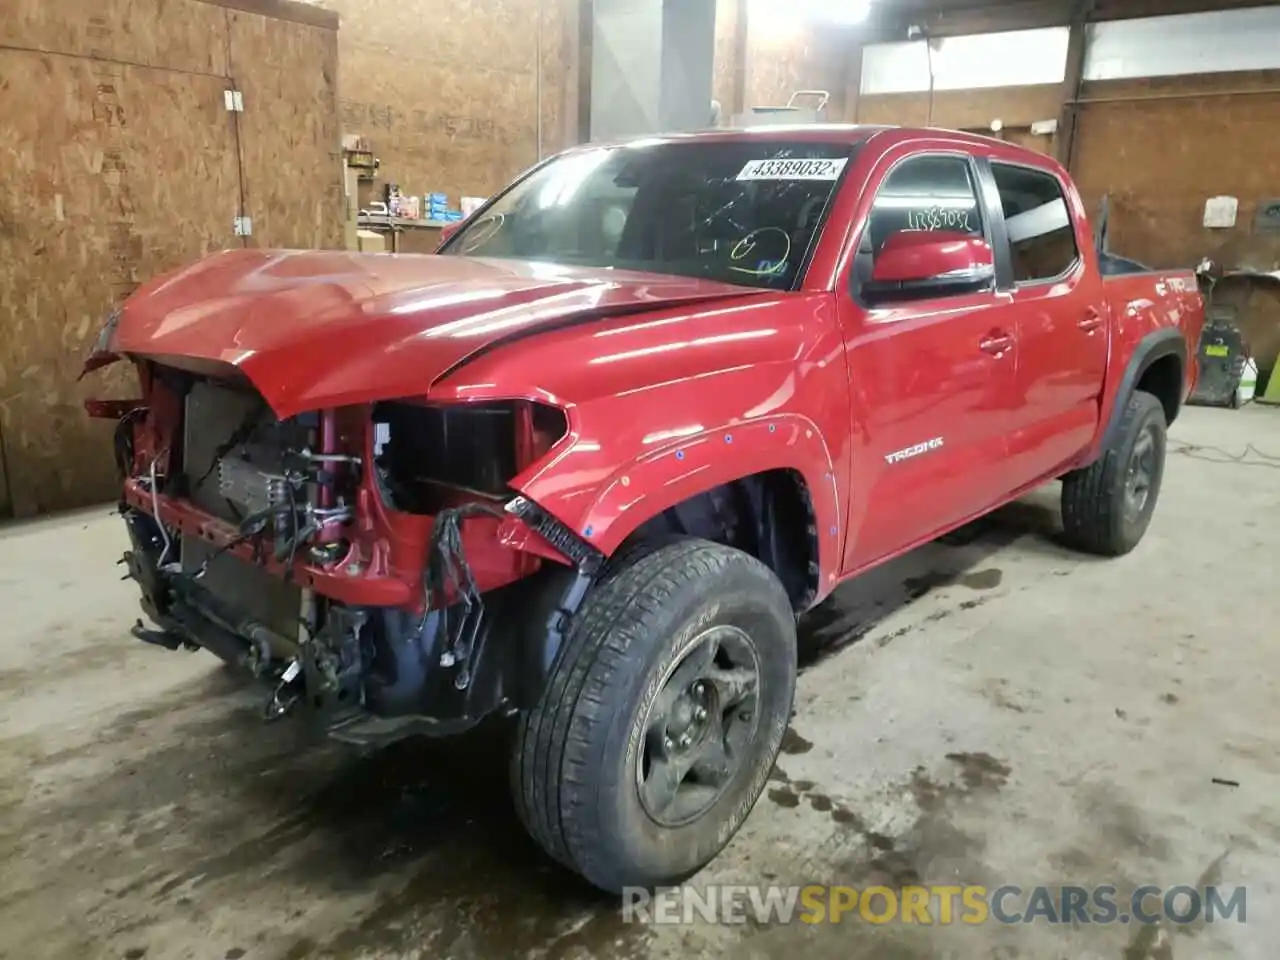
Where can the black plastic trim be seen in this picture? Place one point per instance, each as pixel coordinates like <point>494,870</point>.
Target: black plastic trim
<point>584,556</point>
<point>989,194</point>
<point>1157,344</point>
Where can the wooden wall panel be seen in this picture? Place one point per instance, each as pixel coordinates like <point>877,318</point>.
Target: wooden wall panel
<point>447,91</point>
<point>963,109</point>
<point>805,57</point>
<point>724,65</point>
<point>1040,143</point>
<point>120,162</point>
<point>156,33</point>
<point>437,128</point>
<point>558,89</point>
<point>289,136</point>
<point>112,175</point>
<point>1162,155</point>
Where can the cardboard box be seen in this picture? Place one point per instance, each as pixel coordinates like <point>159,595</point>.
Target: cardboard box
<point>371,241</point>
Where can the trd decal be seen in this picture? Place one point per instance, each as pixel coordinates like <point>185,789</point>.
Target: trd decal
<point>926,447</point>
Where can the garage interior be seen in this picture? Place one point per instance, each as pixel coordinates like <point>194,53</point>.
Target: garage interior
<point>991,708</point>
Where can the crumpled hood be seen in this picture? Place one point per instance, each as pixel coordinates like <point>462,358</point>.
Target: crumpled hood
<point>314,329</point>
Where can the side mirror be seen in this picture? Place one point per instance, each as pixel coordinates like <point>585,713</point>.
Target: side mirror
<point>915,263</point>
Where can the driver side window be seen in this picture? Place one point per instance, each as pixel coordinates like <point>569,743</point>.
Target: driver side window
<point>921,194</point>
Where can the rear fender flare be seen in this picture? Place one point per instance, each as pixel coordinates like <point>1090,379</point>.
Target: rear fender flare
<point>1152,347</point>
<point>646,486</point>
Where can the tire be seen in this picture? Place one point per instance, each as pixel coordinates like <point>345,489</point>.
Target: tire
<point>1100,512</point>
<point>584,759</point>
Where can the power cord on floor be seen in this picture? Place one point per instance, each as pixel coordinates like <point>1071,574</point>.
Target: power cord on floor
<point>1217,455</point>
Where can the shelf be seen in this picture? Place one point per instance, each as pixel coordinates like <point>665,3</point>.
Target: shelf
<point>374,220</point>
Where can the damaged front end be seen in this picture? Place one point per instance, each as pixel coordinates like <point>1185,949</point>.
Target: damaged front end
<point>369,563</point>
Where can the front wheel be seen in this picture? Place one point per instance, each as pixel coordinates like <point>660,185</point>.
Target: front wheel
<point>662,718</point>
<point>1107,506</point>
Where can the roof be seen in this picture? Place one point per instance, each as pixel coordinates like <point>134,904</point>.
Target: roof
<point>804,132</point>
<point>850,133</point>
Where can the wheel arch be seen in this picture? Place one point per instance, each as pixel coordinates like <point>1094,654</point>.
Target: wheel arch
<point>1157,366</point>
<point>771,468</point>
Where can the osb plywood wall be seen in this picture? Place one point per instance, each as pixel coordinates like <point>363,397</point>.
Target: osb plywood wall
<point>447,91</point>
<point>1161,156</point>
<point>119,162</point>
<point>963,109</point>
<point>724,65</point>
<point>289,133</point>
<point>800,57</point>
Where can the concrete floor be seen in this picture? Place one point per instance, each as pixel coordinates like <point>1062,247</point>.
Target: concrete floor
<point>994,709</point>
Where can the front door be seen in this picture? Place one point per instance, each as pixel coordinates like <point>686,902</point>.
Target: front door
<point>931,379</point>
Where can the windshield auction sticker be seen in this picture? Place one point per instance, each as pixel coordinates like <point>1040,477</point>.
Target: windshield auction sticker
<point>792,169</point>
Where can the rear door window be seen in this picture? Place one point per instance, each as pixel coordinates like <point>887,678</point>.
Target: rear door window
<point>1041,235</point>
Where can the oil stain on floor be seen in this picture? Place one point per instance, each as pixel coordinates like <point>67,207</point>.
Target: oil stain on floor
<point>190,817</point>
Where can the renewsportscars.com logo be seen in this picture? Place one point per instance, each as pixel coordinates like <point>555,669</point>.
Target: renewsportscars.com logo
<point>928,905</point>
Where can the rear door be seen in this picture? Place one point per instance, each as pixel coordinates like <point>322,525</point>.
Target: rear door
<point>1061,323</point>
<point>931,380</point>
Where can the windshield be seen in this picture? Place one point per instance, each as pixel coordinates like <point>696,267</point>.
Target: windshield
<point>744,211</point>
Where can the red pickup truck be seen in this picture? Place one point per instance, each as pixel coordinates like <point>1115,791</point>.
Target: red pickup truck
<point>586,465</point>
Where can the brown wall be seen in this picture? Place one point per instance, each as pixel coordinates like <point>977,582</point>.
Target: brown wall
<point>122,162</point>
<point>802,58</point>
<point>963,109</point>
<point>1161,156</point>
<point>725,65</point>
<point>446,92</point>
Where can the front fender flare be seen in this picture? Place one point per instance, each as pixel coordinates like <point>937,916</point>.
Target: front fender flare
<point>647,485</point>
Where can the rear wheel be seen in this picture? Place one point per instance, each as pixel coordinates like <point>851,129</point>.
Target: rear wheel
<point>1107,506</point>
<point>662,718</point>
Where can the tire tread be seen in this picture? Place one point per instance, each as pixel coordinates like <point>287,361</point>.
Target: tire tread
<point>554,779</point>
<point>1092,497</point>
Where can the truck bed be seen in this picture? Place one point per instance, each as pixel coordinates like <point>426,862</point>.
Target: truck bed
<point>1144,302</point>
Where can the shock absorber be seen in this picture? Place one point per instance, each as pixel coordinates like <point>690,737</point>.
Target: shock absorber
<point>325,512</point>
<point>328,447</point>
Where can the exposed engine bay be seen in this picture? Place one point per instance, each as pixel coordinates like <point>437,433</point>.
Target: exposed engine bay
<point>354,559</point>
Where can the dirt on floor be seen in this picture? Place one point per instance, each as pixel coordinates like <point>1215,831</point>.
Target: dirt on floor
<point>992,709</point>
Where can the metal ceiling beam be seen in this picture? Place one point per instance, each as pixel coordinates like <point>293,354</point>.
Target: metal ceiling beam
<point>892,20</point>
<point>1069,111</point>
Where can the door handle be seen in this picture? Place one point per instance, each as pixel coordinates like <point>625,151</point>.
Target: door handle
<point>995,343</point>
<point>1090,322</point>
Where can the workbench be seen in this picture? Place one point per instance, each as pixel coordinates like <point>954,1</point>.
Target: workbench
<point>395,226</point>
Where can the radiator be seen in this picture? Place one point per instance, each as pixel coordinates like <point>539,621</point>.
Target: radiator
<point>213,414</point>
